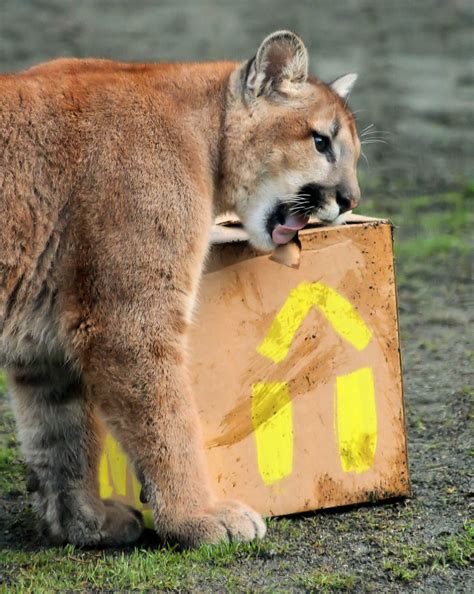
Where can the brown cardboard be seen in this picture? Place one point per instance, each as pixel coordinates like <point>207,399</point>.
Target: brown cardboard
<point>312,422</point>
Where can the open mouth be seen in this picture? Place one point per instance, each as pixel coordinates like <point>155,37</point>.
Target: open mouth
<point>289,217</point>
<point>282,225</point>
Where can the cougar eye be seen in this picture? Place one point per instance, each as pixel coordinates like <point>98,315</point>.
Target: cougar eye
<point>321,142</point>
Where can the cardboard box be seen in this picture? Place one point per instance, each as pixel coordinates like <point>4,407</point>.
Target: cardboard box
<point>297,374</point>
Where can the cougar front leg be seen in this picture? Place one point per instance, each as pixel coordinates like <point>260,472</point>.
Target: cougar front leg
<point>142,388</point>
<point>57,433</point>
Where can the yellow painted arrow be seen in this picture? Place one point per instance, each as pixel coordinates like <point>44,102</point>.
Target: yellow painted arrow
<point>271,406</point>
<point>272,417</point>
<point>335,308</point>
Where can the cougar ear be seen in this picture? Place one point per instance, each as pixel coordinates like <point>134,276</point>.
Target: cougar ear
<point>282,57</point>
<point>343,85</point>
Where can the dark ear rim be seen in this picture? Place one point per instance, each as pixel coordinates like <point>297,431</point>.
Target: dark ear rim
<point>295,69</point>
<point>248,67</point>
<point>278,36</point>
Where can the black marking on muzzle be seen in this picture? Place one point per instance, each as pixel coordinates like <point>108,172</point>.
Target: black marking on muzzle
<point>343,202</point>
<point>311,197</point>
<point>277,217</point>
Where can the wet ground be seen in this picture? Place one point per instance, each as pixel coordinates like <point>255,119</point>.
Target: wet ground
<point>415,61</point>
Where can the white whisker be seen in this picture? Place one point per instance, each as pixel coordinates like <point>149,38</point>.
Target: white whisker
<point>366,129</point>
<point>365,159</point>
<point>375,133</point>
<point>374,141</point>
<point>299,210</point>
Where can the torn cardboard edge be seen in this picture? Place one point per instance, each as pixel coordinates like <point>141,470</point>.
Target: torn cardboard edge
<point>229,229</point>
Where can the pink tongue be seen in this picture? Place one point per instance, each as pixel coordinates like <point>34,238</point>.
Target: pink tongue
<point>285,233</point>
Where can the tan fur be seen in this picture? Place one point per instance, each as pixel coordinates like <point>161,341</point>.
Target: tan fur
<point>110,175</point>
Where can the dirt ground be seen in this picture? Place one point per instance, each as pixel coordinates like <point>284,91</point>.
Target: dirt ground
<point>417,83</point>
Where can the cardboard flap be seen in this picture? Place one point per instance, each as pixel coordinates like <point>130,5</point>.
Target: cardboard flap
<point>228,228</point>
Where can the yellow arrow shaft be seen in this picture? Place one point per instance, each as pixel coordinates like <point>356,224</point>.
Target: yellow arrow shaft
<point>356,420</point>
<point>272,420</point>
<point>355,395</point>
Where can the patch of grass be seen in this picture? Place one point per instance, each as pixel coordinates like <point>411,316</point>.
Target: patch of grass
<point>11,467</point>
<point>283,527</point>
<point>3,383</point>
<point>70,569</point>
<point>328,581</point>
<point>422,247</point>
<point>369,208</point>
<point>400,571</point>
<point>459,549</point>
<point>428,226</point>
<point>406,562</point>
<point>451,222</point>
<point>7,458</point>
<point>12,471</point>
<point>59,570</point>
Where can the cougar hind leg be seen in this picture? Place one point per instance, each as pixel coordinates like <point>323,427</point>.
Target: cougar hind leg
<point>58,437</point>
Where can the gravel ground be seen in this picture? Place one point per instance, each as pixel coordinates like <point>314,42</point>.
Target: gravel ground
<point>416,82</point>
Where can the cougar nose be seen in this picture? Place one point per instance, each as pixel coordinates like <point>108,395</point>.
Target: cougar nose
<point>345,202</point>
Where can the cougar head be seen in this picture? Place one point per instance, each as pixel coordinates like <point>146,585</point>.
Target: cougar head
<point>291,146</point>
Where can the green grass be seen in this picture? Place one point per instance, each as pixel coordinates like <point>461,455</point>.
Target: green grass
<point>3,383</point>
<point>61,569</point>
<point>459,549</point>
<point>11,468</point>
<point>433,233</point>
<point>434,226</point>
<point>429,246</point>
<point>327,581</point>
<point>12,471</point>
<point>406,562</point>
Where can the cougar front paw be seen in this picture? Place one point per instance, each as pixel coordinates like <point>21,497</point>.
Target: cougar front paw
<point>225,522</point>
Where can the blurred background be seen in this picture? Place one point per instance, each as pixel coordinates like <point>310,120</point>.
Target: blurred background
<point>415,61</point>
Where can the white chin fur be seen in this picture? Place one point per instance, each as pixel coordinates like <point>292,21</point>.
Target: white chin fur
<point>341,219</point>
<point>261,240</point>
<point>255,223</point>
<point>329,213</point>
